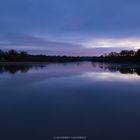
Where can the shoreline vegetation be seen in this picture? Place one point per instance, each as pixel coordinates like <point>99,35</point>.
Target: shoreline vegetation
<point>124,56</point>
<point>14,56</point>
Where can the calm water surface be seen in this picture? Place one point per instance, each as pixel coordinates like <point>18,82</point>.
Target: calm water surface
<point>96,100</point>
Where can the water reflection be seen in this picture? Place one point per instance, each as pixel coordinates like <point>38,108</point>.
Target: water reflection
<point>122,68</point>
<point>81,67</point>
<point>91,99</point>
<point>14,68</point>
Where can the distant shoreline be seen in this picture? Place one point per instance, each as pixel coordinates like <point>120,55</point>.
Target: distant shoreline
<point>14,57</point>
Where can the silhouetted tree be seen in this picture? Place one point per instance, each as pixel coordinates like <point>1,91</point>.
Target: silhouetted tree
<point>124,53</point>
<point>131,53</point>
<point>113,54</point>
<point>127,53</point>
<point>23,53</point>
<point>12,52</point>
<point>138,53</point>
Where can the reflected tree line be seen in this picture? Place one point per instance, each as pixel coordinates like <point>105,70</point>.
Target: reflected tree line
<point>122,68</point>
<point>123,56</point>
<point>112,67</point>
<point>13,68</point>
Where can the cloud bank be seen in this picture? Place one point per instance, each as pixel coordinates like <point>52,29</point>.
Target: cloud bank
<point>70,26</point>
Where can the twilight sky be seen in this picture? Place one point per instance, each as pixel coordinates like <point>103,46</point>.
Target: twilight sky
<point>70,27</point>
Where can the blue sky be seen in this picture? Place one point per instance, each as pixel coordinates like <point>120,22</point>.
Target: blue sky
<point>70,27</point>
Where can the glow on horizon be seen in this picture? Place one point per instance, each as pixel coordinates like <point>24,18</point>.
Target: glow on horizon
<point>124,43</point>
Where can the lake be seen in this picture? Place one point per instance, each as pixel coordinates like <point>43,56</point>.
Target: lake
<point>95,101</point>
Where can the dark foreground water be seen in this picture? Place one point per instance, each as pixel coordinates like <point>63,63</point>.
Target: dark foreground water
<point>93,100</point>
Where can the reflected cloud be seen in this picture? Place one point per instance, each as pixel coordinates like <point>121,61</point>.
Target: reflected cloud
<point>122,68</point>
<point>107,76</point>
<point>98,71</point>
<point>115,72</point>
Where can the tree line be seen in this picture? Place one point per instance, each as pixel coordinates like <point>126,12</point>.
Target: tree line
<point>122,56</point>
<point>23,56</point>
<point>125,53</point>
